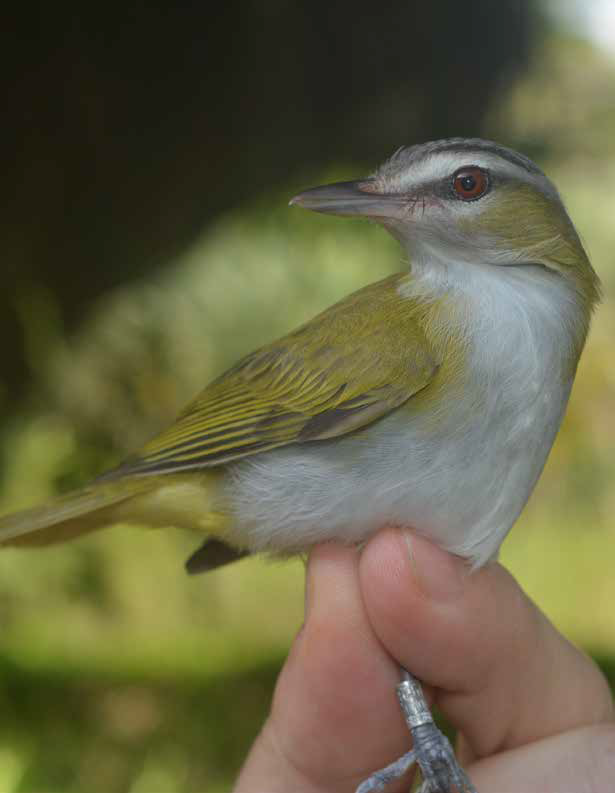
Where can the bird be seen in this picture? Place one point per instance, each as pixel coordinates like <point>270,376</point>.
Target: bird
<point>428,399</point>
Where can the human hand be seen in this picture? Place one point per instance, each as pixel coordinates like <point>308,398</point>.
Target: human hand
<point>534,714</point>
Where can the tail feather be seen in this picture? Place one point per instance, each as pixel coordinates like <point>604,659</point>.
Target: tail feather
<point>69,516</point>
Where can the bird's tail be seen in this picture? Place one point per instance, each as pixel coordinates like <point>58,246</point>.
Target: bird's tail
<point>76,513</point>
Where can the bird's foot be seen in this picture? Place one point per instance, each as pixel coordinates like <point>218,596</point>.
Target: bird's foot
<point>439,767</point>
<point>432,750</point>
<point>380,779</point>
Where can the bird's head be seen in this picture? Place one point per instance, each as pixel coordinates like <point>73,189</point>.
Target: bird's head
<point>467,201</point>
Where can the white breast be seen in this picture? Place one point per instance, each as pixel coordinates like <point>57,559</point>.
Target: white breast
<point>460,475</point>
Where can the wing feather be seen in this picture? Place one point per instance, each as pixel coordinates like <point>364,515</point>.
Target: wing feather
<point>349,366</point>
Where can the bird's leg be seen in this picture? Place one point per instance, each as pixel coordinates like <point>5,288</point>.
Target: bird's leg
<point>432,750</point>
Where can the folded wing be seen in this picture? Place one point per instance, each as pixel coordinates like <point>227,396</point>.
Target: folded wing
<point>349,366</point>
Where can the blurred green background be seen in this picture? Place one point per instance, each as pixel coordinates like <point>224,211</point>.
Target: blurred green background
<point>118,673</point>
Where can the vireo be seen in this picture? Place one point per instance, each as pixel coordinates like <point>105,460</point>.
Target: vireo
<point>429,399</point>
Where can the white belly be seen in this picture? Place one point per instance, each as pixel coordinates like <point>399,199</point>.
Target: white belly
<point>461,475</point>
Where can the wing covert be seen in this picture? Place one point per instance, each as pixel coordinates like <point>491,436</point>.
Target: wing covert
<point>350,365</point>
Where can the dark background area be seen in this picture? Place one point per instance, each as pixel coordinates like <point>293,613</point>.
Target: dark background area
<point>127,129</point>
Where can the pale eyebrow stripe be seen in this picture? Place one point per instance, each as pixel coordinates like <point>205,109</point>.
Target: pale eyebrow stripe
<point>503,153</point>
<point>412,154</point>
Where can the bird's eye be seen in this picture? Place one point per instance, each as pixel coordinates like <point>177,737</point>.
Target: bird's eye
<point>470,183</point>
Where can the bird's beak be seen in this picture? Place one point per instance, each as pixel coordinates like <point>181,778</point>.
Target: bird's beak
<point>351,198</point>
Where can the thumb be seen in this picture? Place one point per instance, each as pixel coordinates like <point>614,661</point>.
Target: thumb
<point>501,673</point>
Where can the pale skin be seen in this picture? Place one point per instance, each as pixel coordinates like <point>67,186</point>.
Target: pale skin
<point>534,713</point>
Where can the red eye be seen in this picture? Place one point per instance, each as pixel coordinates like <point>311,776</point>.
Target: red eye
<point>470,183</point>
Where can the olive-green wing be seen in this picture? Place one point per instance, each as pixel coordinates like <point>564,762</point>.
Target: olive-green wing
<point>352,364</point>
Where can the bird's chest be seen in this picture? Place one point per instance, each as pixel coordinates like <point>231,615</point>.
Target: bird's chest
<point>457,462</point>
<point>486,439</point>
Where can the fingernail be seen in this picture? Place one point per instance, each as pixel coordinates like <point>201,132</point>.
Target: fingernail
<point>438,574</point>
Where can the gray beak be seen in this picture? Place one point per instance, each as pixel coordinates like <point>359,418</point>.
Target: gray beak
<point>351,198</point>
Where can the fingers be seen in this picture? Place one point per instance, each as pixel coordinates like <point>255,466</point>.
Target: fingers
<point>582,759</point>
<point>501,673</point>
<point>334,717</point>
<point>498,670</point>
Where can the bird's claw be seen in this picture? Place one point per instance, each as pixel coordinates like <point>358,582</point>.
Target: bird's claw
<point>432,750</point>
<point>380,779</point>
<point>434,755</point>
<point>439,767</point>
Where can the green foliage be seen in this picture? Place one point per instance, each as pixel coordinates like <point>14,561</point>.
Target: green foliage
<point>117,672</point>
<point>108,730</point>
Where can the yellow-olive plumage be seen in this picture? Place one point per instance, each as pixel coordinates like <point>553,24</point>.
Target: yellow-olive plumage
<point>307,386</point>
<point>430,398</point>
<point>303,387</point>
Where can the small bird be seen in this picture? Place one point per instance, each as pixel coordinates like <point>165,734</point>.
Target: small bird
<point>429,399</point>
